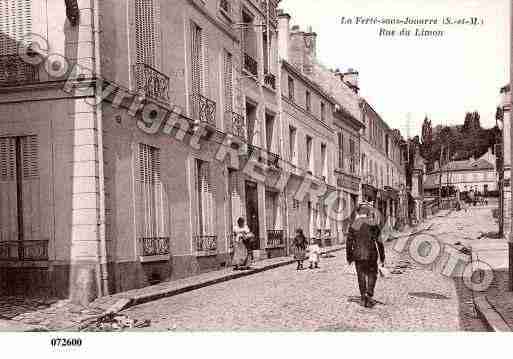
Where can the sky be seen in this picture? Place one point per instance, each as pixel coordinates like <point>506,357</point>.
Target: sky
<point>411,77</point>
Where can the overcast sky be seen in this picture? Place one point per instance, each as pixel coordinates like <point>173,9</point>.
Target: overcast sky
<point>443,77</point>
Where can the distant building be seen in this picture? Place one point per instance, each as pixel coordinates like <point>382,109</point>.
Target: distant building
<point>477,174</point>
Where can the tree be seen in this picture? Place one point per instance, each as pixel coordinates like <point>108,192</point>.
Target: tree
<point>427,132</point>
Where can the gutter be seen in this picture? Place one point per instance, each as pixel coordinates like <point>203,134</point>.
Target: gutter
<point>102,273</point>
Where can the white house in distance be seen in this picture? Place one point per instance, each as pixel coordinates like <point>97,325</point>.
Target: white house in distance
<point>478,174</point>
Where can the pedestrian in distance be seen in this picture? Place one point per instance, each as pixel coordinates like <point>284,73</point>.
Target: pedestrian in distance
<point>299,248</point>
<point>314,253</point>
<point>364,248</point>
<point>242,239</point>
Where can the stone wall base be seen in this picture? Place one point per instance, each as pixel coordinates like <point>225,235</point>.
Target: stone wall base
<point>54,281</point>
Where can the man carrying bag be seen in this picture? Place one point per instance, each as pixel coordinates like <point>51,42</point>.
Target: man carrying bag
<point>364,247</point>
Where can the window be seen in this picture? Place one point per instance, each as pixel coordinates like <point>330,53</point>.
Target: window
<point>15,24</point>
<point>291,88</point>
<point>205,199</point>
<point>323,111</point>
<point>352,154</point>
<point>308,101</point>
<point>196,59</point>
<point>225,6</point>
<point>269,131</point>
<point>267,52</point>
<point>341,151</point>
<point>292,145</point>
<point>19,186</point>
<point>309,159</point>
<point>146,31</point>
<point>324,164</point>
<point>249,43</point>
<point>228,82</point>
<point>363,165</point>
<point>153,220</point>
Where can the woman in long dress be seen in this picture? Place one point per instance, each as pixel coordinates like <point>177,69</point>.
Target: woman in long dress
<point>240,250</point>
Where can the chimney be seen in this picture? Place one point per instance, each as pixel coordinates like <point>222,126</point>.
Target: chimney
<point>283,34</point>
<point>310,40</point>
<point>296,47</point>
<point>350,78</point>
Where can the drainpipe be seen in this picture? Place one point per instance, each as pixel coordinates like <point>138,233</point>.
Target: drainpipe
<point>102,273</point>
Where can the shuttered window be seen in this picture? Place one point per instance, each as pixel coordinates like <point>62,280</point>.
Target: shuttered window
<point>196,68</point>
<point>228,82</point>
<point>19,188</point>
<point>147,31</point>
<point>153,215</point>
<point>340,150</point>
<point>205,191</point>
<point>15,24</point>
<point>236,204</point>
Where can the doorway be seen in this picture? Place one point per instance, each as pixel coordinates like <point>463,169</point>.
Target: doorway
<point>252,211</point>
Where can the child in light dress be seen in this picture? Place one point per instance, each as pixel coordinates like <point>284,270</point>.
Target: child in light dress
<point>314,253</point>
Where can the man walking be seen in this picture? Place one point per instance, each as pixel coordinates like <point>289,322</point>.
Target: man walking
<point>363,248</point>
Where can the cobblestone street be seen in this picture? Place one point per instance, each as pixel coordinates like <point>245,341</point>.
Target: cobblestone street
<point>310,300</point>
<point>412,299</point>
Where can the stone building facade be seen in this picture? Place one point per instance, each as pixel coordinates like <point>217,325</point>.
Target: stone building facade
<point>383,170</point>
<point>124,183</point>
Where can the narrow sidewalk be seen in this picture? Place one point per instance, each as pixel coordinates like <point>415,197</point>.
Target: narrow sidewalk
<point>119,301</point>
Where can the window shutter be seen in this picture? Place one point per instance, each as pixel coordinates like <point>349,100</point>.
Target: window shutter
<point>145,31</point>
<point>30,183</point>
<point>205,70</point>
<point>8,204</point>
<point>228,82</point>
<point>15,24</point>
<point>153,221</point>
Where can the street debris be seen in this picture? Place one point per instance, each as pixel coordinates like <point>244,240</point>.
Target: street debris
<point>112,322</point>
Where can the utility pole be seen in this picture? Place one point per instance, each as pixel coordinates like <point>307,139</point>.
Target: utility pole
<point>440,177</point>
<point>510,239</point>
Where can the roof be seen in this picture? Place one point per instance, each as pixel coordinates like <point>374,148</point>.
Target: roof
<point>468,165</point>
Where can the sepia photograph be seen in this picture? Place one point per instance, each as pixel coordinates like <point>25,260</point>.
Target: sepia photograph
<point>254,166</point>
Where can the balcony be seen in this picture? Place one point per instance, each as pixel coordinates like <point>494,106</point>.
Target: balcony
<point>151,82</point>
<point>270,81</point>
<point>24,250</point>
<point>275,238</point>
<point>236,124</point>
<point>273,160</point>
<point>271,12</point>
<point>154,249</point>
<point>206,244</point>
<point>250,65</point>
<point>203,109</point>
<point>14,71</point>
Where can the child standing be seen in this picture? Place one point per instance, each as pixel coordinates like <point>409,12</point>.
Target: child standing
<point>314,253</point>
<point>299,248</point>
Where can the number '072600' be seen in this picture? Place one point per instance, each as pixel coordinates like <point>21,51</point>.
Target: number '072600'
<point>66,342</point>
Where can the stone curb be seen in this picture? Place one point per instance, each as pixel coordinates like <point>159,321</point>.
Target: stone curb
<point>128,302</point>
<point>490,316</point>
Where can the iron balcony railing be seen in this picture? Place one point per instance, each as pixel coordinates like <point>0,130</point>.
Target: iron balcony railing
<point>270,80</point>
<point>151,82</point>
<point>36,250</point>
<point>236,124</point>
<point>263,156</point>
<point>275,238</point>
<point>14,71</point>
<point>250,65</point>
<point>271,12</point>
<point>203,109</point>
<point>154,246</point>
<point>273,160</point>
<point>206,243</point>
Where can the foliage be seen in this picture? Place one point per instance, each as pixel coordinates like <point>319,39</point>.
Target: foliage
<point>460,142</point>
